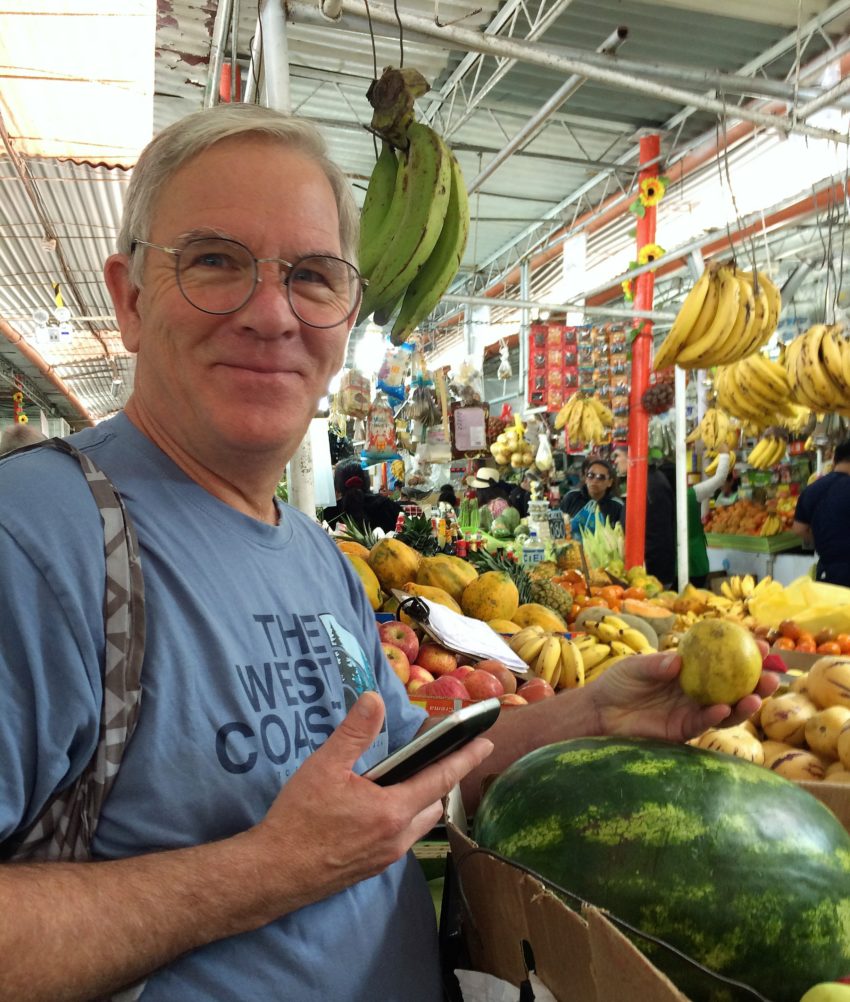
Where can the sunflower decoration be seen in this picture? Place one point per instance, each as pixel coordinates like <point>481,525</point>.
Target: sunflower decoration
<point>628,290</point>
<point>652,191</point>
<point>650,253</point>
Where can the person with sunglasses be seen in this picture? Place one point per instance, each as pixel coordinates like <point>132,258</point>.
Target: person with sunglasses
<point>596,496</point>
<point>239,854</point>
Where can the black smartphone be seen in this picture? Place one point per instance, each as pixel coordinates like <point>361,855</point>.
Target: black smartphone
<point>449,733</point>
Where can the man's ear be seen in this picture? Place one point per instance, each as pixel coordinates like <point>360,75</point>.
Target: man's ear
<point>125,296</point>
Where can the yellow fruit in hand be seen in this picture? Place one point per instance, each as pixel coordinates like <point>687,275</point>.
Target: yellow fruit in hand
<point>721,662</point>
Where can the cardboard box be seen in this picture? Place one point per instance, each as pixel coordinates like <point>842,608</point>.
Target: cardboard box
<point>581,957</point>
<point>798,660</point>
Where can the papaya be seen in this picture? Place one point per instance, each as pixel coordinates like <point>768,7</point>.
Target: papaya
<point>535,614</point>
<point>368,579</point>
<point>353,549</point>
<point>492,595</point>
<point>449,573</point>
<point>394,562</point>
<point>437,595</point>
<point>504,626</point>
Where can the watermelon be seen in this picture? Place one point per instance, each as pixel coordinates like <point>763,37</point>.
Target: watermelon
<point>740,869</point>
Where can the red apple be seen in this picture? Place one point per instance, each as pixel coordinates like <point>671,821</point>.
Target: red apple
<point>462,672</point>
<point>445,685</point>
<point>536,689</point>
<point>400,634</point>
<point>418,677</point>
<point>437,659</point>
<point>483,685</point>
<point>398,661</point>
<point>512,699</point>
<point>502,673</point>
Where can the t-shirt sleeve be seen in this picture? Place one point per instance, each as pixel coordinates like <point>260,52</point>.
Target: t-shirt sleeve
<point>51,699</point>
<point>805,505</point>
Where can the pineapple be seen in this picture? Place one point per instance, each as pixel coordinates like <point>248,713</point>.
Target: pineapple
<point>552,596</point>
<point>545,570</point>
<point>568,556</point>
<point>418,533</point>
<point>365,535</point>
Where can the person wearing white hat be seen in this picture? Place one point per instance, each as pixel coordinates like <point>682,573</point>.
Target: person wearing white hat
<point>492,495</point>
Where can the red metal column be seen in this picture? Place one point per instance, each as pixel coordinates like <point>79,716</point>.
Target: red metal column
<point>650,147</point>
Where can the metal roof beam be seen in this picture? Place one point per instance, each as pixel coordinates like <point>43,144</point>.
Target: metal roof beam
<point>473,62</point>
<point>504,257</point>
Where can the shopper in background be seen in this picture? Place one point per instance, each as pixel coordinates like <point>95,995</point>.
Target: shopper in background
<point>492,495</point>
<point>357,503</point>
<point>660,526</point>
<point>822,519</point>
<point>239,855</point>
<point>728,493</point>
<point>448,496</point>
<point>620,459</point>
<point>597,495</point>
<point>17,435</point>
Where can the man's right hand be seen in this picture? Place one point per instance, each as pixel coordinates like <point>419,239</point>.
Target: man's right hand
<point>330,828</point>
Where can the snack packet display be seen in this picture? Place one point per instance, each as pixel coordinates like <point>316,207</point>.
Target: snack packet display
<point>393,372</point>
<point>380,431</point>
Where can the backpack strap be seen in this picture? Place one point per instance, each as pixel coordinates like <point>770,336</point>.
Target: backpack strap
<point>66,827</point>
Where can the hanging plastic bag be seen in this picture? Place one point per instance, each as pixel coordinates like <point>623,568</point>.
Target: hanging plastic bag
<point>505,371</point>
<point>393,372</point>
<point>544,461</point>
<point>354,394</point>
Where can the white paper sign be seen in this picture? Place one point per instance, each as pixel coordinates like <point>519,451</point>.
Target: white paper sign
<point>465,635</point>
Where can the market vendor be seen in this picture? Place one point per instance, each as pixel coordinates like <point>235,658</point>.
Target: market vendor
<point>822,519</point>
<point>237,854</point>
<point>597,495</point>
<point>357,503</point>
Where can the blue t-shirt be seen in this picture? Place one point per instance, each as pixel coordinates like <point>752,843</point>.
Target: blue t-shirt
<point>258,638</point>
<point>825,506</point>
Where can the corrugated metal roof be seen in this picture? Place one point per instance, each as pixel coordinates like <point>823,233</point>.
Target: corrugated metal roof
<point>330,69</point>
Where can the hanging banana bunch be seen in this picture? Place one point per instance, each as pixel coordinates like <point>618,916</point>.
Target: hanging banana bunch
<point>587,420</point>
<point>755,390</point>
<point>817,364</point>
<point>726,316</point>
<point>415,218</point>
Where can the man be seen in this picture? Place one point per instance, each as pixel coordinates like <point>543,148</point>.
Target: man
<point>17,435</point>
<point>822,519</point>
<point>597,494</point>
<point>239,855</point>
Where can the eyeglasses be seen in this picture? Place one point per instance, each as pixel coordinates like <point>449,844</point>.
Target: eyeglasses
<point>596,476</point>
<point>219,276</point>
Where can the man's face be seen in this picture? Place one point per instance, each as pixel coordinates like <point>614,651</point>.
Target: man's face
<point>249,380</point>
<point>598,480</point>
<point>621,461</point>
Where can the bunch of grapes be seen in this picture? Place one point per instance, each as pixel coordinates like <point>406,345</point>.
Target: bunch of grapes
<point>658,398</point>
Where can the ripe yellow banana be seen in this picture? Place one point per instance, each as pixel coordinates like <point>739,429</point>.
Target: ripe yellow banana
<point>593,656</point>
<point>529,651</point>
<point>725,348</point>
<point>637,641</point>
<point>519,640</point>
<point>428,286</point>
<point>548,662</point>
<point>832,354</point>
<point>727,311</point>
<point>606,632</point>
<point>616,622</point>
<point>621,649</point>
<point>376,206</point>
<point>425,199</point>
<point>692,320</point>
<point>572,665</point>
<point>603,666</point>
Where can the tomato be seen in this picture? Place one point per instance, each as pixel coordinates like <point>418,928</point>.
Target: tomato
<point>806,646</point>
<point>829,647</point>
<point>596,602</point>
<point>788,628</point>
<point>637,593</point>
<point>824,636</point>
<point>806,638</point>
<point>784,644</point>
<point>612,593</point>
<point>843,641</point>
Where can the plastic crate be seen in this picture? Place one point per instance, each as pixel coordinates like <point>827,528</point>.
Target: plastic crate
<point>754,544</point>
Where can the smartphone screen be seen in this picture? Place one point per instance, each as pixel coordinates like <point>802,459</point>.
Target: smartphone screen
<point>449,733</point>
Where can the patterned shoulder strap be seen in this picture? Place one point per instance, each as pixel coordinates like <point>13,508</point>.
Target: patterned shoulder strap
<point>65,829</point>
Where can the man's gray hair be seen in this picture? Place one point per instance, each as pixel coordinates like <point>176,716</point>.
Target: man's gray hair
<point>18,435</point>
<point>189,136</point>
